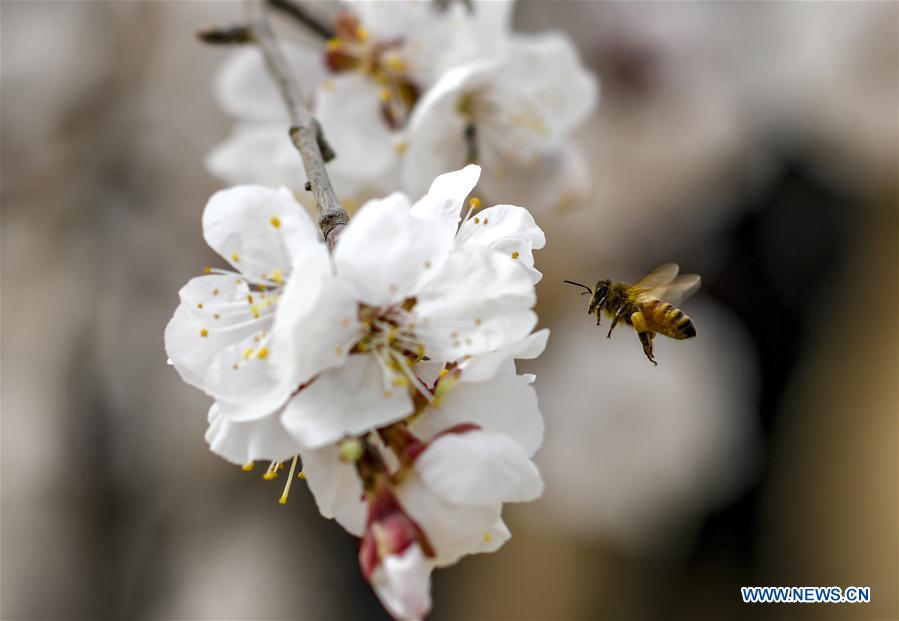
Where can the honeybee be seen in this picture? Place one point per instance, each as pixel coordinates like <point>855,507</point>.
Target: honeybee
<point>647,305</point>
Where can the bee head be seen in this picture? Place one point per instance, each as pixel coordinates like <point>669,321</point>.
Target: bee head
<point>600,290</point>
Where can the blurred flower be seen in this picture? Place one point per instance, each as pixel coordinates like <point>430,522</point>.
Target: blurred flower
<point>506,113</point>
<point>408,90</point>
<point>366,81</point>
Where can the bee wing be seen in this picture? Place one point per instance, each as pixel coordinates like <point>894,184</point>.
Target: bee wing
<point>674,292</point>
<point>661,275</point>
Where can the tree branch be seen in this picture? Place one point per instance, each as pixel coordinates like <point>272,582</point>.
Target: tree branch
<point>304,16</point>
<point>305,132</point>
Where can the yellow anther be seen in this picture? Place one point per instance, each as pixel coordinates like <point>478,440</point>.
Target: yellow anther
<point>395,63</point>
<point>443,372</point>
<point>487,537</point>
<point>477,220</point>
<point>255,310</point>
<point>204,332</point>
<point>277,276</point>
<point>235,257</point>
<point>247,353</point>
<point>275,222</point>
<point>281,466</point>
<point>262,354</point>
<point>301,475</point>
<point>400,381</point>
<point>474,202</point>
<point>248,466</point>
<point>515,255</point>
<point>207,270</point>
<point>270,474</point>
<point>199,305</point>
<point>384,94</point>
<point>293,466</point>
<point>361,34</point>
<point>333,44</point>
<point>249,299</point>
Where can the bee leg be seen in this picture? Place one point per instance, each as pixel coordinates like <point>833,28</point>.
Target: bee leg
<point>615,322</point>
<point>646,336</point>
<point>598,315</point>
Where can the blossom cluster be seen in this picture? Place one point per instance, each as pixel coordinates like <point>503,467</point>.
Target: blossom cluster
<point>407,90</point>
<point>383,372</point>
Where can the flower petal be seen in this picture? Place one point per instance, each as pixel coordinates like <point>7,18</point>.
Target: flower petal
<point>479,468</point>
<point>478,303</point>
<point>484,367</point>
<point>258,153</point>
<point>385,254</point>
<point>348,400</point>
<point>349,110</point>
<point>243,442</point>
<point>403,584</point>
<point>316,319</point>
<point>336,488</point>
<point>258,230</point>
<point>453,530</point>
<point>204,324</point>
<point>446,197</point>
<point>506,404</point>
<point>244,89</point>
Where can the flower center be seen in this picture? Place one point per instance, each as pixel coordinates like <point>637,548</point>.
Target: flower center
<point>380,60</point>
<point>389,335</point>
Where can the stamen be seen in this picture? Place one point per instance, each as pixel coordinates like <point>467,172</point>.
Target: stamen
<point>272,472</point>
<point>248,466</point>
<point>293,466</point>
<point>275,222</point>
<point>204,332</point>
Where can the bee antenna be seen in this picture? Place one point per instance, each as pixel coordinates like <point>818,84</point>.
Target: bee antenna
<point>571,282</point>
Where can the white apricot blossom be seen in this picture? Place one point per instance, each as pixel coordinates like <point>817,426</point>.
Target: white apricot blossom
<point>366,81</point>
<point>515,114</point>
<point>219,338</point>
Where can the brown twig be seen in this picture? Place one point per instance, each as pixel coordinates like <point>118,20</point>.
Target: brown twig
<point>305,132</point>
<point>304,16</point>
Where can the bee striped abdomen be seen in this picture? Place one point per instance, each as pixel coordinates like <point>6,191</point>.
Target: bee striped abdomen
<point>669,320</point>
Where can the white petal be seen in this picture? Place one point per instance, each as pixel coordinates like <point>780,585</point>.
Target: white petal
<point>385,254</point>
<point>194,336</point>
<point>436,129</point>
<point>348,400</point>
<point>543,93</point>
<point>403,584</point>
<point>551,179</point>
<point>243,442</point>
<point>244,89</point>
<point>478,303</point>
<point>246,385</point>
<point>485,366</point>
<point>258,153</point>
<point>453,530</point>
<point>446,196</point>
<point>349,110</point>
<point>336,488</point>
<point>257,230</point>
<point>316,319</point>
<point>479,468</point>
<point>507,229</point>
<point>506,404</point>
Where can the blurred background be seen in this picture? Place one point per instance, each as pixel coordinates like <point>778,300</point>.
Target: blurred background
<point>753,143</point>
